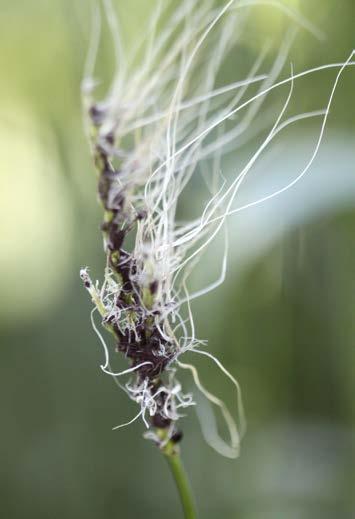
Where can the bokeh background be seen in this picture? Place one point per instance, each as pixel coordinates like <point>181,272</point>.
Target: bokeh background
<point>283,322</point>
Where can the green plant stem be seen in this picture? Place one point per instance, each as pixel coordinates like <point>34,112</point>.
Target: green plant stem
<point>182,482</point>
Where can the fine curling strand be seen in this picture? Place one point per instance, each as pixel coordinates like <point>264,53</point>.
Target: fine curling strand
<point>161,121</point>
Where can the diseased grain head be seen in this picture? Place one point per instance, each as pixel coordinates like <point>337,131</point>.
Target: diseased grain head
<point>159,125</point>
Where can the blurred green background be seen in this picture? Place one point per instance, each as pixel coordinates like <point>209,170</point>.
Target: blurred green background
<point>283,322</point>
